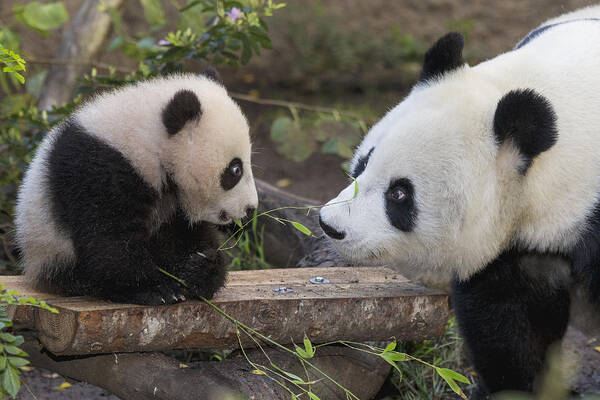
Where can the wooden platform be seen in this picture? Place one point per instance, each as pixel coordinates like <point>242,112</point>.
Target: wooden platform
<point>357,304</point>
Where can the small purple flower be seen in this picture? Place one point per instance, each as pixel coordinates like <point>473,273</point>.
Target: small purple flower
<point>163,42</point>
<point>234,14</point>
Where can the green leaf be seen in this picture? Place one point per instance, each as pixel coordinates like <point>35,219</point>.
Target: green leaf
<point>448,375</point>
<point>35,83</point>
<point>390,347</point>
<point>280,129</point>
<point>10,381</point>
<point>153,12</point>
<point>116,43</point>
<point>301,352</point>
<point>308,346</point>
<point>301,228</point>
<point>7,337</point>
<point>44,16</point>
<point>15,351</point>
<point>17,362</point>
<point>294,377</point>
<point>190,5</point>
<point>392,357</point>
<point>454,375</point>
<point>9,39</point>
<point>330,146</point>
<point>2,362</point>
<point>313,396</point>
<point>145,43</point>
<point>18,341</point>
<point>246,50</point>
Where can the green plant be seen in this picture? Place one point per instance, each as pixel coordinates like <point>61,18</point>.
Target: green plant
<point>249,253</point>
<point>418,382</point>
<point>298,386</point>
<point>334,133</point>
<point>11,356</point>
<point>13,63</point>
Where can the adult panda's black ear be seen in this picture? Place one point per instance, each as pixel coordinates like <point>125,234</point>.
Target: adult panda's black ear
<point>527,119</point>
<point>445,55</point>
<point>212,74</point>
<point>182,108</point>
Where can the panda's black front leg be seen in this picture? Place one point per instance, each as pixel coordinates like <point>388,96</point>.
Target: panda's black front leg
<point>189,252</point>
<point>121,269</point>
<point>509,314</point>
<point>204,272</point>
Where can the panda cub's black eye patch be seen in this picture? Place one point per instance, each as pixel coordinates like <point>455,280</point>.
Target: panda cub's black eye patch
<point>232,174</point>
<point>362,164</point>
<point>400,204</point>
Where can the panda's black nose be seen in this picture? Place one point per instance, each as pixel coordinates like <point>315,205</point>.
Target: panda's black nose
<point>330,231</point>
<point>250,212</point>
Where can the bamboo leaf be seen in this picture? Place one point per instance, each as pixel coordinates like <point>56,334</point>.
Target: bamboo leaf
<point>308,346</point>
<point>301,228</point>
<point>390,347</point>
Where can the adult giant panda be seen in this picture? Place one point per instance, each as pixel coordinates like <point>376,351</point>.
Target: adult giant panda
<point>132,182</point>
<point>491,172</point>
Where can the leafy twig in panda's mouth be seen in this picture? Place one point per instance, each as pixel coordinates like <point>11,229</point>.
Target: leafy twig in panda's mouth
<point>297,225</point>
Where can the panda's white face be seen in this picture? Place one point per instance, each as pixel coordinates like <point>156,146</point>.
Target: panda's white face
<point>431,193</point>
<point>210,162</point>
<point>186,127</point>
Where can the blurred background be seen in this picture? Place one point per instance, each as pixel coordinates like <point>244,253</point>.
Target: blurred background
<point>312,76</point>
<point>358,57</point>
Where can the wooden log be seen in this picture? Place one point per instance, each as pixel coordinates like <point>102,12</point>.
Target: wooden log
<point>358,304</point>
<point>135,376</point>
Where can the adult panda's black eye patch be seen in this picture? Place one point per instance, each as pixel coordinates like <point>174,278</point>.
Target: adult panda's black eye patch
<point>362,164</point>
<point>232,174</point>
<point>400,204</point>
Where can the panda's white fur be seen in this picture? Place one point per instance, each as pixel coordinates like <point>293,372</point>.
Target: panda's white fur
<point>471,202</point>
<point>130,121</point>
<point>489,176</point>
<point>43,244</point>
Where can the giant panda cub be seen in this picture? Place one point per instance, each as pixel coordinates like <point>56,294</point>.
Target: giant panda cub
<point>492,173</point>
<point>132,182</point>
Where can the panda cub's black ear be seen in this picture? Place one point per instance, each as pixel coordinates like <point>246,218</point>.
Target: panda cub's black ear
<point>212,74</point>
<point>527,119</point>
<point>182,108</point>
<point>445,55</point>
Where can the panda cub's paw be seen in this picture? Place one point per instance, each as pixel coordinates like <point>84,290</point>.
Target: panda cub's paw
<point>159,295</point>
<point>156,295</point>
<point>204,273</point>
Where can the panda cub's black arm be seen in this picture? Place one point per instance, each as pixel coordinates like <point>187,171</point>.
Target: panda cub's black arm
<point>189,252</point>
<point>99,199</point>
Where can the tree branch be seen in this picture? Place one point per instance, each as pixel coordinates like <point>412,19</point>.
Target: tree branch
<point>81,41</point>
